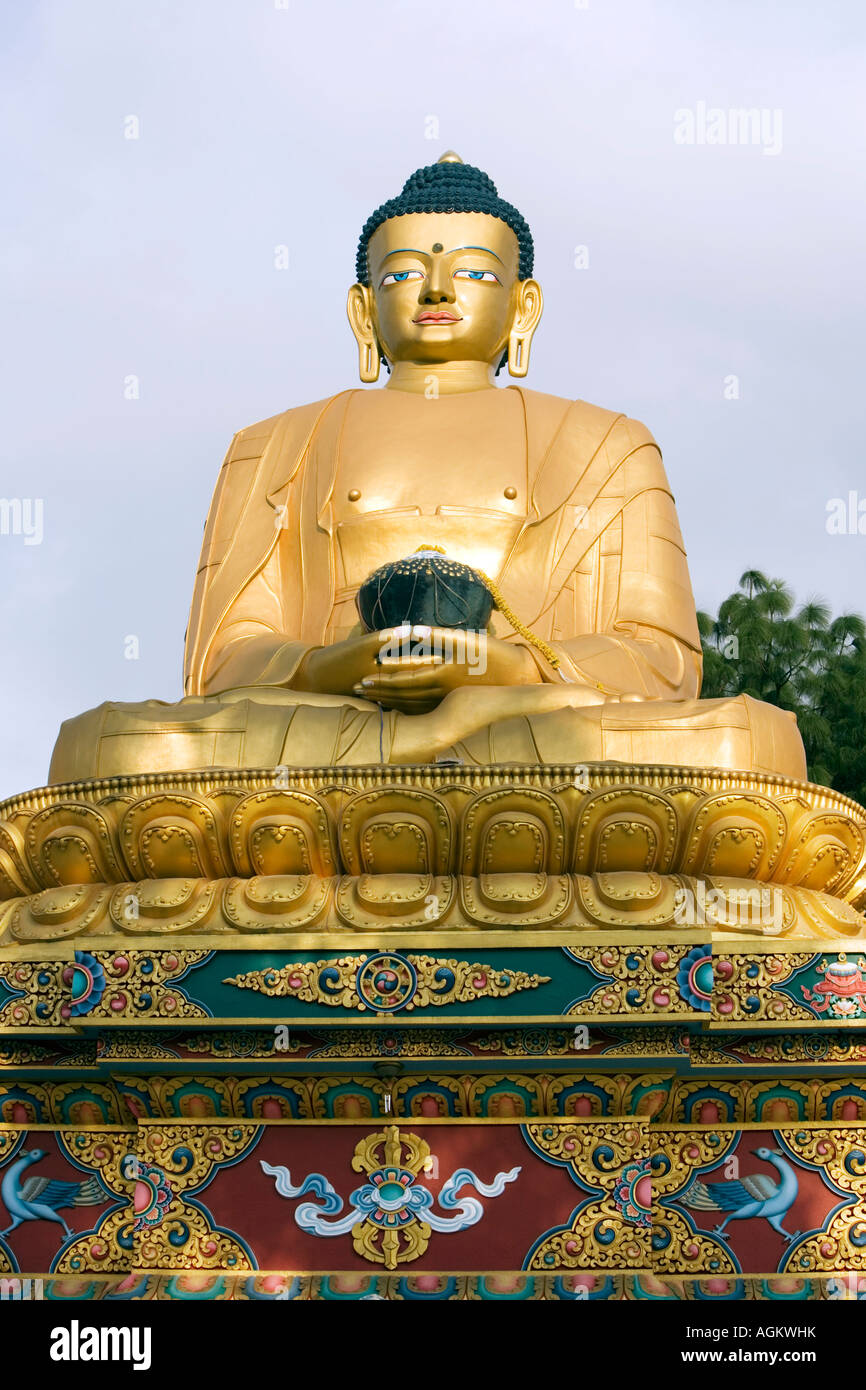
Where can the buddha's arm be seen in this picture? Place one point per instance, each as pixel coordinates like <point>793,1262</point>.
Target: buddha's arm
<point>251,647</point>
<point>240,631</point>
<point>648,664</point>
<point>252,656</point>
<point>623,616</point>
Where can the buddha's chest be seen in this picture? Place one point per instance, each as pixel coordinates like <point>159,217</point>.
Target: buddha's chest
<point>425,476</point>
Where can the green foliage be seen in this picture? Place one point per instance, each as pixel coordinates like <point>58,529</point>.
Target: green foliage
<point>803,661</point>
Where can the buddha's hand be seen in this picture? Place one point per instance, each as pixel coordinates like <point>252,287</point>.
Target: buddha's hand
<point>417,667</point>
<point>339,668</point>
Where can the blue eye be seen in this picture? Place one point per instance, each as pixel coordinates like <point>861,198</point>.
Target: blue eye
<point>397,277</point>
<point>476,275</point>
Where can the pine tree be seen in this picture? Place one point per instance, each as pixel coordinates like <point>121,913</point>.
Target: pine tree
<point>802,660</point>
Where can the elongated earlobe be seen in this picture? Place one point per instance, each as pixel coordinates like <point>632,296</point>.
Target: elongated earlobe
<point>369,361</point>
<point>518,355</point>
<point>358,308</point>
<point>530,304</point>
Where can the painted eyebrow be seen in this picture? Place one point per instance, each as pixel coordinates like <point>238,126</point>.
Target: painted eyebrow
<point>411,251</point>
<point>477,248</point>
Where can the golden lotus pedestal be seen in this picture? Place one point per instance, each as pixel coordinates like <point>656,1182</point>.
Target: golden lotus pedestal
<point>617,973</point>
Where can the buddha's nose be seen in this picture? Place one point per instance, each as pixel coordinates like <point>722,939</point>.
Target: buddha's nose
<point>438,288</point>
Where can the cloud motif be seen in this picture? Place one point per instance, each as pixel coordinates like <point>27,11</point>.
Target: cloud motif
<point>316,1183</point>
<point>392,1198</point>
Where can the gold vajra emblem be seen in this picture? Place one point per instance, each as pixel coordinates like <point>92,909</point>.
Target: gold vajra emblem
<point>392,1215</point>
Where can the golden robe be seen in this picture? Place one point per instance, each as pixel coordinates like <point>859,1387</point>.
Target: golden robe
<point>588,554</point>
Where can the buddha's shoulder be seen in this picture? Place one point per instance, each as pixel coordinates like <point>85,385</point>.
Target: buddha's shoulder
<point>298,420</point>
<point>580,417</point>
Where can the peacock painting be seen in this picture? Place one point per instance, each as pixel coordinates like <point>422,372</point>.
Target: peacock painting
<point>37,1198</point>
<point>758,1195</point>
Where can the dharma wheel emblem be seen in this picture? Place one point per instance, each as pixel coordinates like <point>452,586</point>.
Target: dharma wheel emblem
<point>386,983</point>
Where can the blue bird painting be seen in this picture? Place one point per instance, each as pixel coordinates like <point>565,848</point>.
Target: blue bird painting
<point>757,1195</point>
<point>39,1199</point>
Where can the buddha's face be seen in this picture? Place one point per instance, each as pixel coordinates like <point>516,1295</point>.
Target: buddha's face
<point>444,286</point>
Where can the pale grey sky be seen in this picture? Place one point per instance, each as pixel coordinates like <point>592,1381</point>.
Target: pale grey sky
<point>266,124</point>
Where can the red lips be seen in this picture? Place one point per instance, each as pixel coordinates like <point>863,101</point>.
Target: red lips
<point>437,316</point>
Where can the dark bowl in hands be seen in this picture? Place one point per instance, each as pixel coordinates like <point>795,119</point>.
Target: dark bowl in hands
<point>425,588</point>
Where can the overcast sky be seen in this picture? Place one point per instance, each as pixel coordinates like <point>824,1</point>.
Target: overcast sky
<point>722,301</point>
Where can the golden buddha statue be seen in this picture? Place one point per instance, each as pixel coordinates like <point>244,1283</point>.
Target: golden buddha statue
<point>564,505</point>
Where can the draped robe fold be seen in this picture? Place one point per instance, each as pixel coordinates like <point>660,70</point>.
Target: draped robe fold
<point>598,570</point>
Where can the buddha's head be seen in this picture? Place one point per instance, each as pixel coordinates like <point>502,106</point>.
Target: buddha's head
<point>445,275</point>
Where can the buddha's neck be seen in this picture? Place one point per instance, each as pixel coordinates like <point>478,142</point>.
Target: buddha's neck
<point>440,378</point>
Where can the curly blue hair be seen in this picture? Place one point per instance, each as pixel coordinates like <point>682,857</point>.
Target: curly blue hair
<point>449,187</point>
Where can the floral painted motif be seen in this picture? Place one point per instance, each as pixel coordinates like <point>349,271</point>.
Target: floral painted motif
<point>86,981</point>
<point>695,978</point>
<point>153,1192</point>
<point>632,1193</point>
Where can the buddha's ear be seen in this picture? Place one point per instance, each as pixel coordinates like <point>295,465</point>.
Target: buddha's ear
<point>359,307</point>
<point>527,312</point>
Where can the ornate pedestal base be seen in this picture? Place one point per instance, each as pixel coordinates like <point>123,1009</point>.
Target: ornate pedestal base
<point>434,1033</point>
